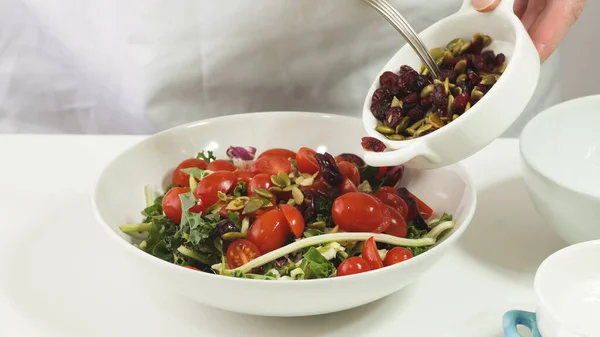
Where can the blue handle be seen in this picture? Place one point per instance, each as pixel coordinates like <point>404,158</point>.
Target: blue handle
<point>518,317</point>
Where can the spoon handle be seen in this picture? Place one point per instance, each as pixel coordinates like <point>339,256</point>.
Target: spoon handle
<point>409,34</point>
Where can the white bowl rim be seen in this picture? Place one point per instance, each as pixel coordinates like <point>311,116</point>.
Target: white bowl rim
<point>553,110</point>
<point>537,282</point>
<point>458,167</point>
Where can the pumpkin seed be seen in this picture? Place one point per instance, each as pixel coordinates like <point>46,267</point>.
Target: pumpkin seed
<point>437,53</point>
<point>265,202</point>
<point>489,79</point>
<point>291,202</point>
<point>402,125</point>
<point>232,236</point>
<point>487,41</point>
<point>436,81</point>
<point>395,137</point>
<point>450,103</point>
<point>447,86</point>
<point>297,195</point>
<point>476,95</point>
<point>307,181</point>
<point>396,102</point>
<point>409,132</point>
<point>436,121</point>
<point>335,229</point>
<point>278,181</point>
<point>417,124</point>
<point>427,91</point>
<point>245,225</point>
<point>445,119</point>
<point>252,206</point>
<point>283,176</point>
<point>453,43</point>
<point>222,196</point>
<point>461,66</point>
<point>425,71</point>
<point>457,91</point>
<point>468,106</point>
<point>423,130</point>
<point>386,130</point>
<point>317,225</point>
<point>275,189</point>
<point>365,187</point>
<point>288,188</point>
<point>439,62</point>
<point>464,47</point>
<point>461,79</point>
<point>455,116</point>
<point>427,114</point>
<point>263,193</point>
<point>502,68</point>
<point>299,180</point>
<point>478,37</point>
<point>237,203</point>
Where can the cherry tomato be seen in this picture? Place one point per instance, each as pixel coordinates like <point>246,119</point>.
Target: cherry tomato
<point>183,179</point>
<point>244,176</point>
<point>360,212</point>
<point>271,165</point>
<point>353,265</point>
<point>382,172</point>
<point>349,171</point>
<point>397,255</point>
<point>221,165</point>
<point>371,254</point>
<point>208,188</point>
<point>306,161</point>
<point>171,204</point>
<point>425,210</point>
<point>241,252</point>
<point>192,268</point>
<point>294,218</point>
<point>393,200</point>
<point>398,226</point>
<point>277,152</point>
<point>347,186</point>
<point>387,189</point>
<point>318,184</point>
<point>261,181</point>
<point>269,231</point>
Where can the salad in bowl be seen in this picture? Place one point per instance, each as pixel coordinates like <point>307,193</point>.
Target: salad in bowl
<point>285,215</point>
<point>272,214</point>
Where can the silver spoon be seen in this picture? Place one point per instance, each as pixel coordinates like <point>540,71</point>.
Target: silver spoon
<point>409,34</point>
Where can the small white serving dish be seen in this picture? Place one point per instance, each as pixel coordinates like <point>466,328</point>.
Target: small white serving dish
<point>560,152</point>
<point>118,199</point>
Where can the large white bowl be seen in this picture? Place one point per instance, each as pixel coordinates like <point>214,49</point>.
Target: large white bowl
<point>560,151</point>
<point>119,198</point>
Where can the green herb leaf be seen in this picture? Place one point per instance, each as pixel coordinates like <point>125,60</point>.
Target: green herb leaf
<point>196,172</point>
<point>234,217</point>
<point>239,274</point>
<point>208,157</point>
<point>240,189</point>
<point>312,232</point>
<point>315,265</point>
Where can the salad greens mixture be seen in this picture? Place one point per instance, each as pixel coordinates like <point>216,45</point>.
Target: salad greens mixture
<point>285,216</point>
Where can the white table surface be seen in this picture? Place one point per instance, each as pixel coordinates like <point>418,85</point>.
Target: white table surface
<point>57,278</point>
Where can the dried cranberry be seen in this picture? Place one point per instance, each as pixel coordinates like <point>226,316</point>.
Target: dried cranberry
<point>448,73</point>
<point>411,99</point>
<point>226,226</point>
<point>406,68</point>
<point>408,82</point>
<point>415,115</point>
<point>372,144</point>
<point>329,169</point>
<point>422,82</point>
<point>500,59</point>
<point>489,57</point>
<point>483,88</point>
<point>474,79</point>
<point>426,102</point>
<point>388,79</point>
<point>393,175</point>
<point>460,102</point>
<point>476,46</point>
<point>393,117</point>
<point>352,158</point>
<point>451,62</point>
<point>439,99</point>
<point>381,102</point>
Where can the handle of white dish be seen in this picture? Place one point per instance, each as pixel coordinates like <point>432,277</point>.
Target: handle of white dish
<point>505,5</point>
<point>517,317</point>
<point>401,156</point>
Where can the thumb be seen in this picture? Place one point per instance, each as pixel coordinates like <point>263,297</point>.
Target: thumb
<point>485,5</point>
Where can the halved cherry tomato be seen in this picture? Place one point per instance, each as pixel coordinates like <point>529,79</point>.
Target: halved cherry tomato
<point>353,265</point>
<point>393,200</point>
<point>245,176</point>
<point>278,152</point>
<point>183,179</point>
<point>192,268</point>
<point>398,225</point>
<point>425,210</point>
<point>349,171</point>
<point>371,254</point>
<point>171,204</point>
<point>397,255</point>
<point>208,188</point>
<point>271,165</point>
<point>241,252</point>
<point>347,186</point>
<point>269,231</point>
<point>306,161</point>
<point>221,165</point>
<point>360,212</point>
<point>294,218</point>
<point>261,181</point>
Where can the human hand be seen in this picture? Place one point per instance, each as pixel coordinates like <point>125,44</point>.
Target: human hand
<point>547,21</point>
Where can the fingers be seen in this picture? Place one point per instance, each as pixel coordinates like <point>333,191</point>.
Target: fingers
<point>520,7</point>
<point>485,5</point>
<point>548,30</point>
